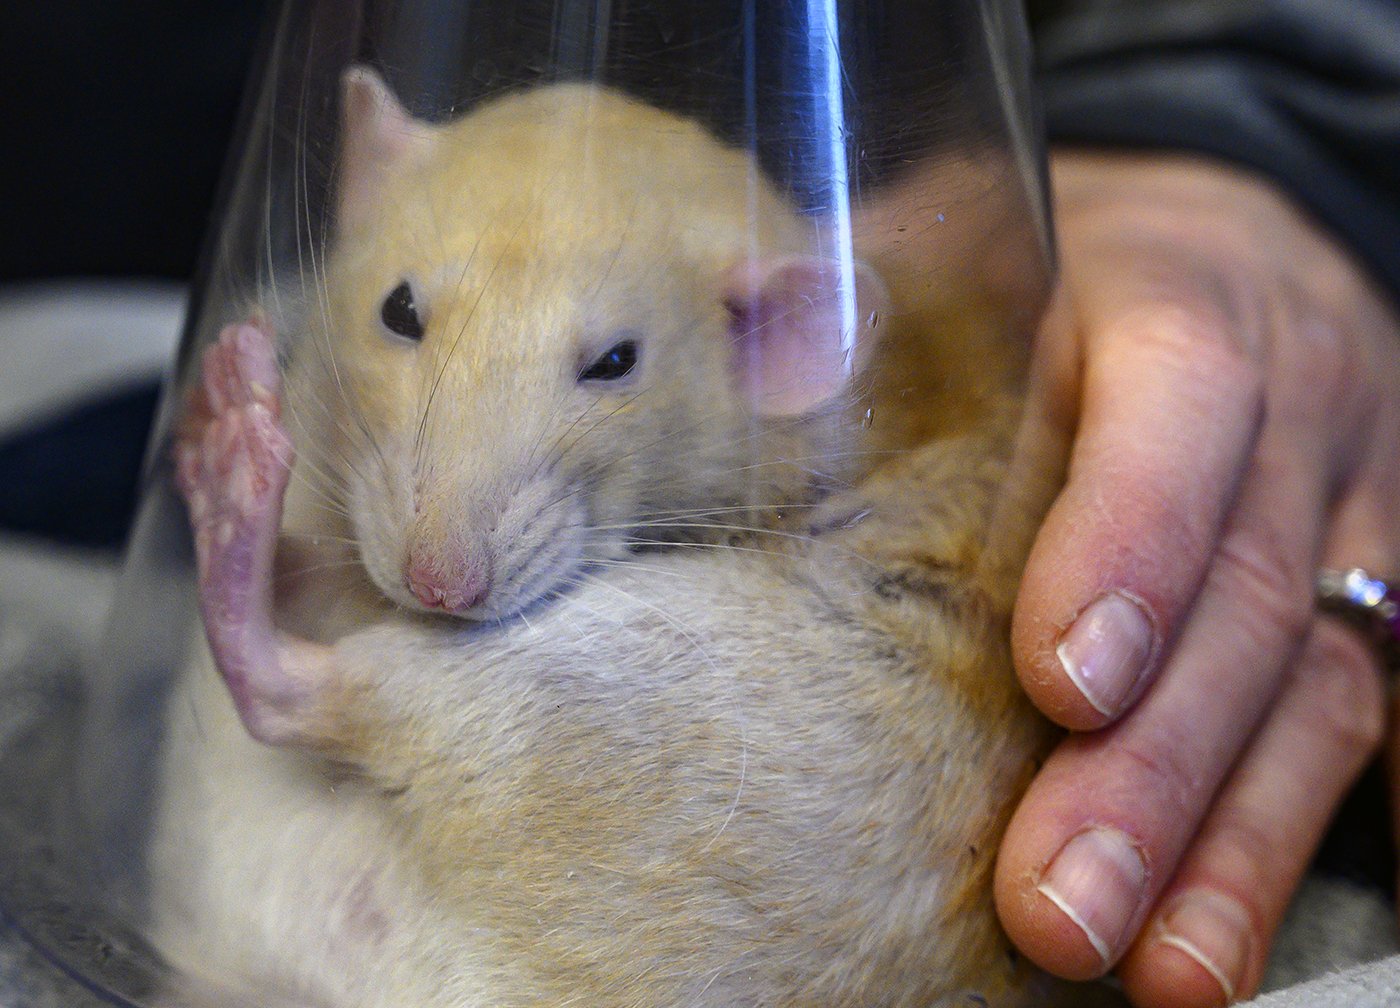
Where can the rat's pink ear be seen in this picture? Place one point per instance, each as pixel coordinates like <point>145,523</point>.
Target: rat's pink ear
<point>802,326</point>
<point>376,134</point>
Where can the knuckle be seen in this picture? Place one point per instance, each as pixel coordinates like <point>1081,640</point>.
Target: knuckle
<point>1323,354</point>
<point>1212,371</point>
<point>1247,864</point>
<point>1250,855</point>
<point>1333,360</point>
<point>1346,702</point>
<point>1162,771</point>
<point>1200,341</point>
<point>1269,580</point>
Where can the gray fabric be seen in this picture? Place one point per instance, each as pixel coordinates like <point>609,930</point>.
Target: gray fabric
<point>1335,925</point>
<point>1375,985</point>
<point>52,606</point>
<point>1306,92</point>
<point>61,341</point>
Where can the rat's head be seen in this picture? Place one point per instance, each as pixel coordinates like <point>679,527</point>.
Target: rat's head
<point>557,322</point>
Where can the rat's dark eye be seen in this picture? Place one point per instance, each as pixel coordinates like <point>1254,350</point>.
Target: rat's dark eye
<point>400,314</point>
<point>616,363</point>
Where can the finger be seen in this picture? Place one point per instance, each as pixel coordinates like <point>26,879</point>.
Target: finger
<point>1392,767</point>
<point>1369,518</point>
<point>1207,941</point>
<point>1171,414</point>
<point>1106,820</point>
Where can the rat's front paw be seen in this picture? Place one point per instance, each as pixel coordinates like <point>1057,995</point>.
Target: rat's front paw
<point>233,456</point>
<point>233,459</point>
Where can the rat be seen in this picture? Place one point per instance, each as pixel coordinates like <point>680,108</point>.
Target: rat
<point>506,758</point>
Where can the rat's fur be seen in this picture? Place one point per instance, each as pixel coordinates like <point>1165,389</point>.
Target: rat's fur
<point>720,779</point>
<point>774,775</point>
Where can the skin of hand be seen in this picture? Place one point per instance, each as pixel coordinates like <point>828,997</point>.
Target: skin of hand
<point>1229,379</point>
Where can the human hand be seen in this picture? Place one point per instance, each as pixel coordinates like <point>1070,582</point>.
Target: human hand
<point>1231,381</point>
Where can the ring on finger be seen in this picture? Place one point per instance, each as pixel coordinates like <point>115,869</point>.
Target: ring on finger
<point>1370,604</point>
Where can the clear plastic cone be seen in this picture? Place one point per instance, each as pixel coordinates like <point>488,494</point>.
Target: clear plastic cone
<point>580,537</point>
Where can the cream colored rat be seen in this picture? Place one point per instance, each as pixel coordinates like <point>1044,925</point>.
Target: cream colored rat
<point>558,770</point>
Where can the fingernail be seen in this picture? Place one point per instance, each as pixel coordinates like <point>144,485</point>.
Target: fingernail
<point>1097,880</point>
<point>1105,652</point>
<point>1213,929</point>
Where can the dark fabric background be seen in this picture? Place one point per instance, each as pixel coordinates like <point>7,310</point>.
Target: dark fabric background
<point>114,123</point>
<point>114,126</point>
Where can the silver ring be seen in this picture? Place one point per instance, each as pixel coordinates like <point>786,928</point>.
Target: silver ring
<point>1369,603</point>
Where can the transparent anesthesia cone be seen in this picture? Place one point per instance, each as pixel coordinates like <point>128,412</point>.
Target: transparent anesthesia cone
<point>579,539</point>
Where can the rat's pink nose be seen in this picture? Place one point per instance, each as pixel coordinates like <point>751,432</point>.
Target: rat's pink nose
<point>454,592</point>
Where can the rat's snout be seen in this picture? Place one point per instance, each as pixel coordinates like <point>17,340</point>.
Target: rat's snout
<point>454,584</point>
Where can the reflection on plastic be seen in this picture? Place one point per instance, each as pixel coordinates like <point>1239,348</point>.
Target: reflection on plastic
<point>599,437</point>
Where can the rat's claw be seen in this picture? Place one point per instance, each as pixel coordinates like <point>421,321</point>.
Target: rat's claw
<point>255,360</point>
<point>240,368</point>
<point>187,466</point>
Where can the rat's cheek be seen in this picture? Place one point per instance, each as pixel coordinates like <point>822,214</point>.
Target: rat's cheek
<point>384,552</point>
<point>381,513</point>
